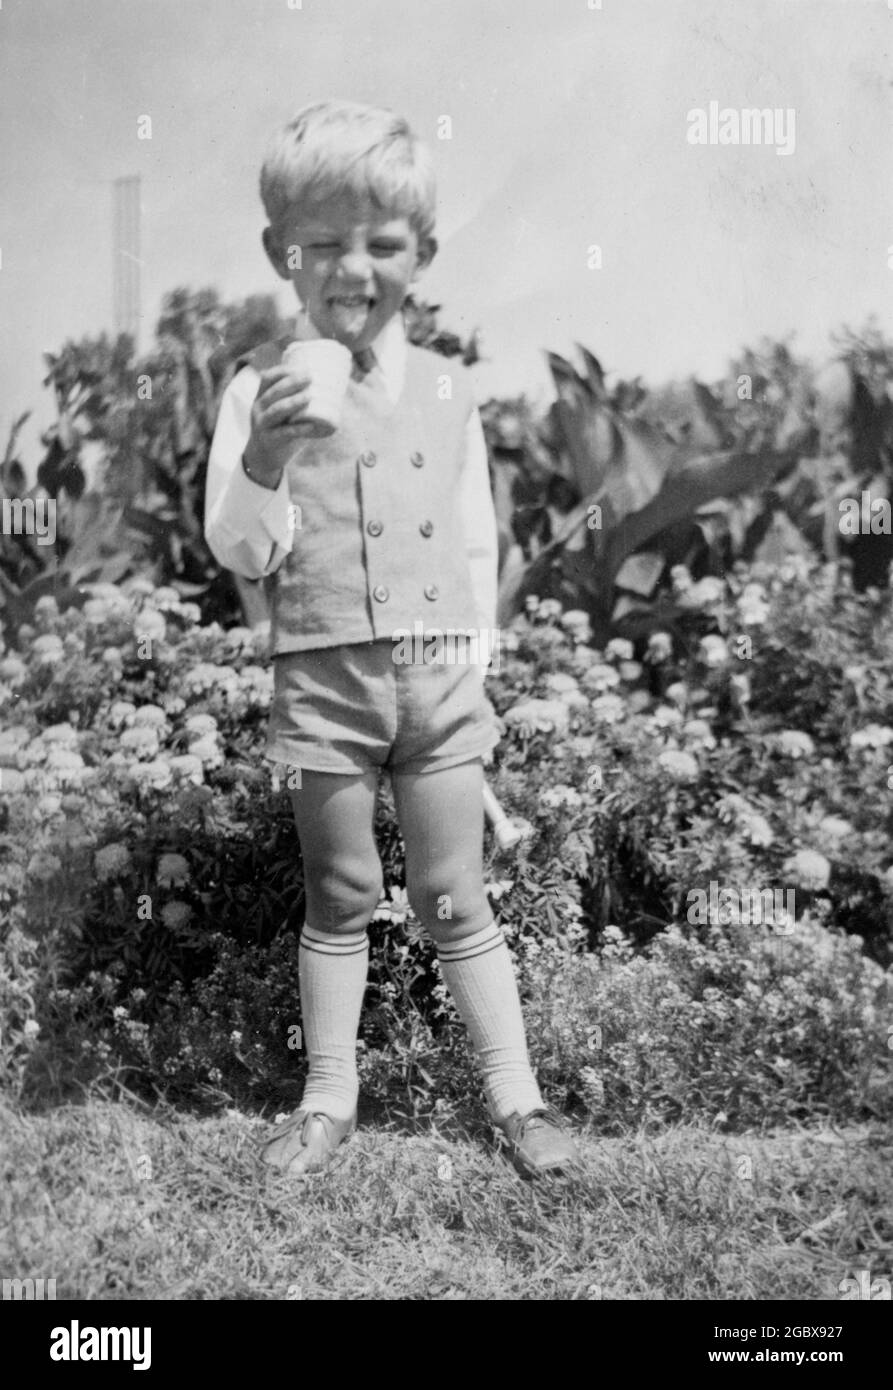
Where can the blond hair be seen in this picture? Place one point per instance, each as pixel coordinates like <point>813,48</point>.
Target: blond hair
<point>337,147</point>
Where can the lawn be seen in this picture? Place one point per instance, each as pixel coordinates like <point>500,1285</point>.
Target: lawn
<point>116,1202</point>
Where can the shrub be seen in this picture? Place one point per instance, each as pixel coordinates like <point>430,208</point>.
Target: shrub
<point>155,872</point>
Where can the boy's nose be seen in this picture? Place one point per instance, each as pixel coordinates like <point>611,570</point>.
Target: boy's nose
<point>354,263</point>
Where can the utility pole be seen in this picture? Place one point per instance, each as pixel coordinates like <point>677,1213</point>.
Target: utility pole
<point>126,252</point>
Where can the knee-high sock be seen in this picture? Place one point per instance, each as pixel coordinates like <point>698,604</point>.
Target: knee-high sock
<point>479,975</point>
<point>332,971</point>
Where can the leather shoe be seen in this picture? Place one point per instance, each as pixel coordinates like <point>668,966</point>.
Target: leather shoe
<point>537,1143</point>
<point>305,1142</point>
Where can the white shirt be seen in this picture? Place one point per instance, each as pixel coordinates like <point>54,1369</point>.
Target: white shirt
<point>249,528</point>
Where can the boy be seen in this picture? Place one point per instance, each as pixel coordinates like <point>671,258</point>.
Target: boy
<point>396,530</point>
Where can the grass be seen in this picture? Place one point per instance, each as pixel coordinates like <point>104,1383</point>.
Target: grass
<point>116,1202</point>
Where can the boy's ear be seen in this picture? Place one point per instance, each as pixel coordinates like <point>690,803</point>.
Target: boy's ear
<point>427,250</point>
<point>275,253</point>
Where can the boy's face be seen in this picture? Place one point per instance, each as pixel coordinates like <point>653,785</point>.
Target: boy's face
<point>356,266</point>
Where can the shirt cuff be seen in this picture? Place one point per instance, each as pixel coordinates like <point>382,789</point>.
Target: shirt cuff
<point>272,508</point>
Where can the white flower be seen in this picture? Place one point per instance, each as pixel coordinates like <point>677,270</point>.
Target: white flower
<point>150,717</point>
<point>173,871</point>
<point>678,693</point>
<point>666,717</point>
<point>158,774</point>
<point>12,781</point>
<point>872,736</point>
<point>149,625</point>
<point>143,742</point>
<point>630,671</point>
<point>46,607</point>
<point>833,829</point>
<point>176,915</point>
<point>190,612</point>
<point>808,869</point>
<point>393,908</point>
<point>538,716</point>
<point>48,806</point>
<point>257,684</point>
<point>63,735</point>
<point>121,713</point>
<point>208,750</point>
<point>12,741</point>
<point>47,650</point>
<point>548,610</point>
<point>164,598</point>
<point>609,709</point>
<point>599,679</point>
<point>43,866</point>
<point>699,732</point>
<point>201,725</point>
<point>111,861</point>
<point>560,797</point>
<point>205,676</point>
<point>112,656</point>
<point>713,651</point>
<point>682,767</point>
<point>66,766</point>
<point>559,683</point>
<point>238,639</point>
<point>793,743</point>
<point>31,1028</point>
<point>577,625</point>
<point>660,648</point>
<point>186,767</point>
<point>13,670</point>
<point>753,610</point>
<point>619,649</point>
<point>583,657</point>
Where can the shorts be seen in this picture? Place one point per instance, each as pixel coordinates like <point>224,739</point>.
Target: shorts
<point>353,708</point>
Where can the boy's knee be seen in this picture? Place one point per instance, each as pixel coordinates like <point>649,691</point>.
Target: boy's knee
<point>342,896</point>
<point>448,908</point>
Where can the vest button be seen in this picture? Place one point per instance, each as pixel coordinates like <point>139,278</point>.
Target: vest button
<point>427,528</point>
<point>432,592</point>
<point>374,528</point>
<point>368,460</point>
<point>380,594</point>
<point>417,459</point>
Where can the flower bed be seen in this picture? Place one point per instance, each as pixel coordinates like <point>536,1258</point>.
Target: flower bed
<point>694,779</point>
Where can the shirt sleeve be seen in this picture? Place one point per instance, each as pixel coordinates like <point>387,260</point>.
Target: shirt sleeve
<point>479,522</point>
<point>249,528</point>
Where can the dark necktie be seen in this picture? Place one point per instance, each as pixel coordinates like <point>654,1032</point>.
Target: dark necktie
<point>363,363</point>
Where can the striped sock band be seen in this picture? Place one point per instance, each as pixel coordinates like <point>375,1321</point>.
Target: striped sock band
<point>332,970</point>
<point>479,975</point>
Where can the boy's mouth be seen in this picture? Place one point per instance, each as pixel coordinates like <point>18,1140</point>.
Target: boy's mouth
<point>350,311</point>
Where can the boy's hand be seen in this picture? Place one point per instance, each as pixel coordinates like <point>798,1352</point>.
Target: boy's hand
<point>276,423</point>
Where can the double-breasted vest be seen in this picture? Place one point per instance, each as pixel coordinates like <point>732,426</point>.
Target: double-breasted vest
<point>378,544</point>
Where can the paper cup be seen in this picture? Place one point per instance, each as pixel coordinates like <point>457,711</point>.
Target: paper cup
<point>328,364</point>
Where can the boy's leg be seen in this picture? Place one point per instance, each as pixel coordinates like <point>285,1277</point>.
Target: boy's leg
<point>441,819</point>
<point>334,815</point>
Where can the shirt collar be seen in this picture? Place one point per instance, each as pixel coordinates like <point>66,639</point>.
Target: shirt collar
<point>389,348</point>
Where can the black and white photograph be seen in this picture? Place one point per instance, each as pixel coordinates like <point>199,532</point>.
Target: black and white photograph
<point>446,667</point>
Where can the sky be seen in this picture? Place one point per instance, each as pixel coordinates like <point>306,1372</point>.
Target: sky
<point>569,130</point>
